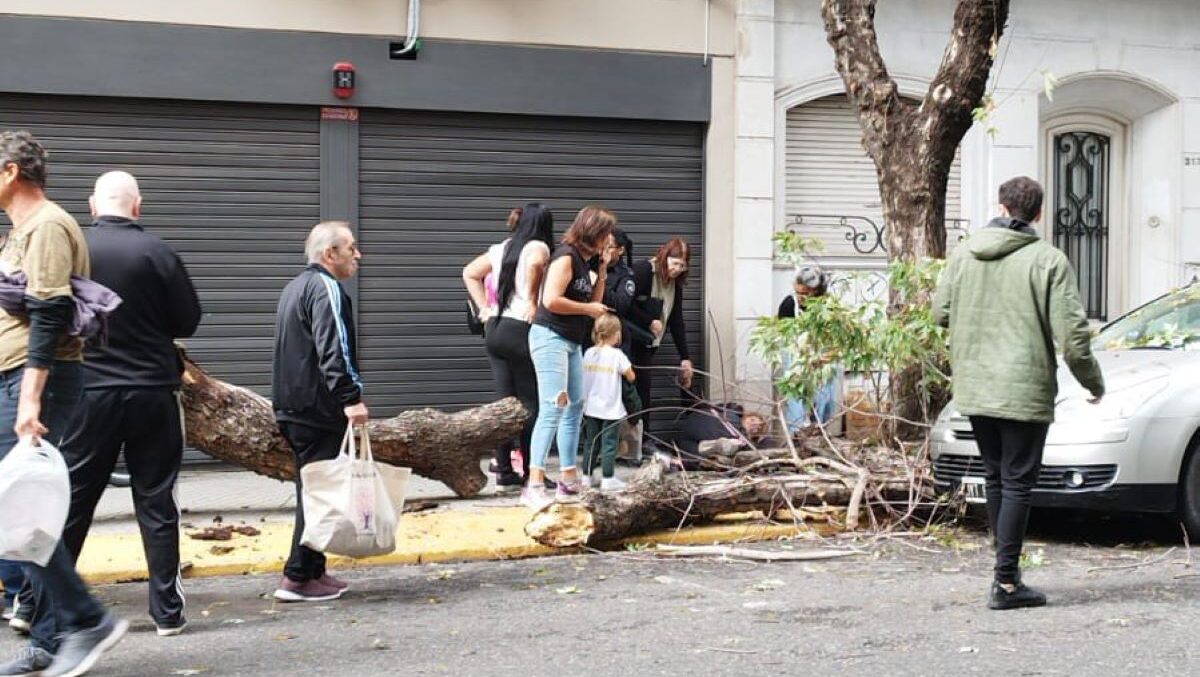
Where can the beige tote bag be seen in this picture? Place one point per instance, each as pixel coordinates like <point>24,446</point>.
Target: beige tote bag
<point>352,504</point>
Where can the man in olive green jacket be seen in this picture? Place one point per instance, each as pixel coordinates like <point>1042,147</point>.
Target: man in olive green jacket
<point>1006,296</point>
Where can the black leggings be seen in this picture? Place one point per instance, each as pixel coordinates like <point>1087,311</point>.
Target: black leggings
<point>512,367</point>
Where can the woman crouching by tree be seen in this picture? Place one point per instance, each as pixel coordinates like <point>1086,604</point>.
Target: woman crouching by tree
<point>570,301</point>
<point>657,307</point>
<point>809,282</point>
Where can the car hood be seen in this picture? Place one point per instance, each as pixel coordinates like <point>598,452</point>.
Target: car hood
<point>1125,369</point>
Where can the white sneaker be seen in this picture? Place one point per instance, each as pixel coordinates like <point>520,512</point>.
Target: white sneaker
<point>585,481</point>
<point>535,498</point>
<point>170,630</point>
<point>612,484</point>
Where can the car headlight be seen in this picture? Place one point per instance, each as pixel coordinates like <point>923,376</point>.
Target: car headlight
<point>1115,406</point>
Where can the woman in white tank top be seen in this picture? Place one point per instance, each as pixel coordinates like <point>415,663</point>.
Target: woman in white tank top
<point>518,264</point>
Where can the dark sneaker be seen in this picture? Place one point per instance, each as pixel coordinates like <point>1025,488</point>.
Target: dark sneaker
<point>333,581</point>
<point>309,591</point>
<point>22,618</point>
<point>493,467</point>
<point>78,651</point>
<point>29,660</point>
<point>509,481</point>
<point>1022,596</point>
<point>171,629</point>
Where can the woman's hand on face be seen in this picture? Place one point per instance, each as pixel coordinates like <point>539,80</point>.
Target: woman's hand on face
<point>607,256</point>
<point>686,371</point>
<point>596,310</point>
<point>656,328</point>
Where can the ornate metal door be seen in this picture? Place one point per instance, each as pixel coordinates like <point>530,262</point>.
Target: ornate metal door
<point>1081,213</point>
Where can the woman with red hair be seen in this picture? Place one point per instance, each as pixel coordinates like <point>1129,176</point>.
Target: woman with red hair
<point>657,307</point>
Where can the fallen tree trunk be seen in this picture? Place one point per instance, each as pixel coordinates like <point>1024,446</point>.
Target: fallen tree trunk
<point>655,500</point>
<point>236,425</point>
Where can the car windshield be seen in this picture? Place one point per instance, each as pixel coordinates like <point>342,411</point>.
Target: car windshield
<point>1171,322</point>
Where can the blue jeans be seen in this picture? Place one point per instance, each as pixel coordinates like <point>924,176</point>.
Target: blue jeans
<point>61,601</point>
<point>559,366</point>
<point>12,577</point>
<point>797,412</point>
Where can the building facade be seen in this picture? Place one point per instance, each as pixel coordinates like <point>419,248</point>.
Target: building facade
<point>227,113</point>
<point>719,120</point>
<point>1116,143</point>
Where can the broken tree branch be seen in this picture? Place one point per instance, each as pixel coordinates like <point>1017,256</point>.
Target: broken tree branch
<point>238,426</point>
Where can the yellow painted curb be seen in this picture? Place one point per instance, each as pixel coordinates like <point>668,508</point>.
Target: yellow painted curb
<point>456,535</point>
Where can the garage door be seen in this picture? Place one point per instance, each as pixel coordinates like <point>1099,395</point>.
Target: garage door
<point>234,188</point>
<point>435,191</point>
<point>830,175</point>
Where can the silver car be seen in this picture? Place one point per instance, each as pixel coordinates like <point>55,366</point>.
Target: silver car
<point>1136,449</point>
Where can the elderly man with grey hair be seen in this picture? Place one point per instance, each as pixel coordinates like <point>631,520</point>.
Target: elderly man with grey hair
<point>317,390</point>
<point>42,384</point>
<point>130,389</point>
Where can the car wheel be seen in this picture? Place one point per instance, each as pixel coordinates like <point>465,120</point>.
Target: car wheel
<point>1188,509</point>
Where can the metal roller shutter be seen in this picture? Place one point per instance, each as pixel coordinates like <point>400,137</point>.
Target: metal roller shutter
<point>435,191</point>
<point>829,173</point>
<point>234,188</point>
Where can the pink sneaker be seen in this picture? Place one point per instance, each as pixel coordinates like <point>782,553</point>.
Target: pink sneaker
<point>535,498</point>
<point>568,491</point>
<point>309,591</point>
<point>333,581</point>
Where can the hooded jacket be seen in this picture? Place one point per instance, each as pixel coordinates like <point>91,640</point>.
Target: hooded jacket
<point>1007,297</point>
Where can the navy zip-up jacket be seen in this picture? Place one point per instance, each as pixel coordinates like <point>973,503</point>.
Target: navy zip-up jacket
<point>158,305</point>
<point>316,352</point>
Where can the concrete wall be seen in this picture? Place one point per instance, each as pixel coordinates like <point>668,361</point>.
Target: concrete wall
<point>650,25</point>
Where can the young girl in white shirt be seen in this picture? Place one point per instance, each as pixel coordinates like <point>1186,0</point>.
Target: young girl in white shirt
<point>604,365</point>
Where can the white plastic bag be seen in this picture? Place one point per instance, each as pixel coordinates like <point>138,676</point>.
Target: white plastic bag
<point>35,497</point>
<point>352,505</point>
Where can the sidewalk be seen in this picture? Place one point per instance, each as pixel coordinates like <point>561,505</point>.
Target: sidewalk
<point>488,526</point>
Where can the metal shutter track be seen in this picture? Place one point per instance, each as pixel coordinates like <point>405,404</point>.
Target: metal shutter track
<point>234,188</point>
<point>435,191</point>
<point>828,172</point>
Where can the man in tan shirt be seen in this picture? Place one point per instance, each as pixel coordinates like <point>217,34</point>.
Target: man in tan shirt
<point>40,387</point>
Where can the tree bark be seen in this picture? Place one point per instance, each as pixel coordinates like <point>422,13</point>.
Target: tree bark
<point>238,426</point>
<point>912,144</point>
<point>655,500</point>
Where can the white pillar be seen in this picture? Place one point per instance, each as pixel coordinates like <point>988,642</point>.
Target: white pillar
<point>754,188</point>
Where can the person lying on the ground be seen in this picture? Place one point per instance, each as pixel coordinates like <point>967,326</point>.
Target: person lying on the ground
<point>715,430</point>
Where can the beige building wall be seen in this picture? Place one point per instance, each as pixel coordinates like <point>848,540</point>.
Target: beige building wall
<point>644,25</point>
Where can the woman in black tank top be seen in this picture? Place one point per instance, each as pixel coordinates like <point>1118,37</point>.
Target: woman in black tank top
<point>570,301</point>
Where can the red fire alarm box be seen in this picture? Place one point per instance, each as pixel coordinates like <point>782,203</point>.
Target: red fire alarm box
<point>343,80</point>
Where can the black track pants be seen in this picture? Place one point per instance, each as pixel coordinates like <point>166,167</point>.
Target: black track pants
<point>146,423</point>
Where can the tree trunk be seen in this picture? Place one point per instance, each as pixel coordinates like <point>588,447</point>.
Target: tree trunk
<point>654,501</point>
<point>913,145</point>
<point>238,426</point>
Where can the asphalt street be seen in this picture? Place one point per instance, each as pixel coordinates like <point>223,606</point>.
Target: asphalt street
<point>1122,599</point>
